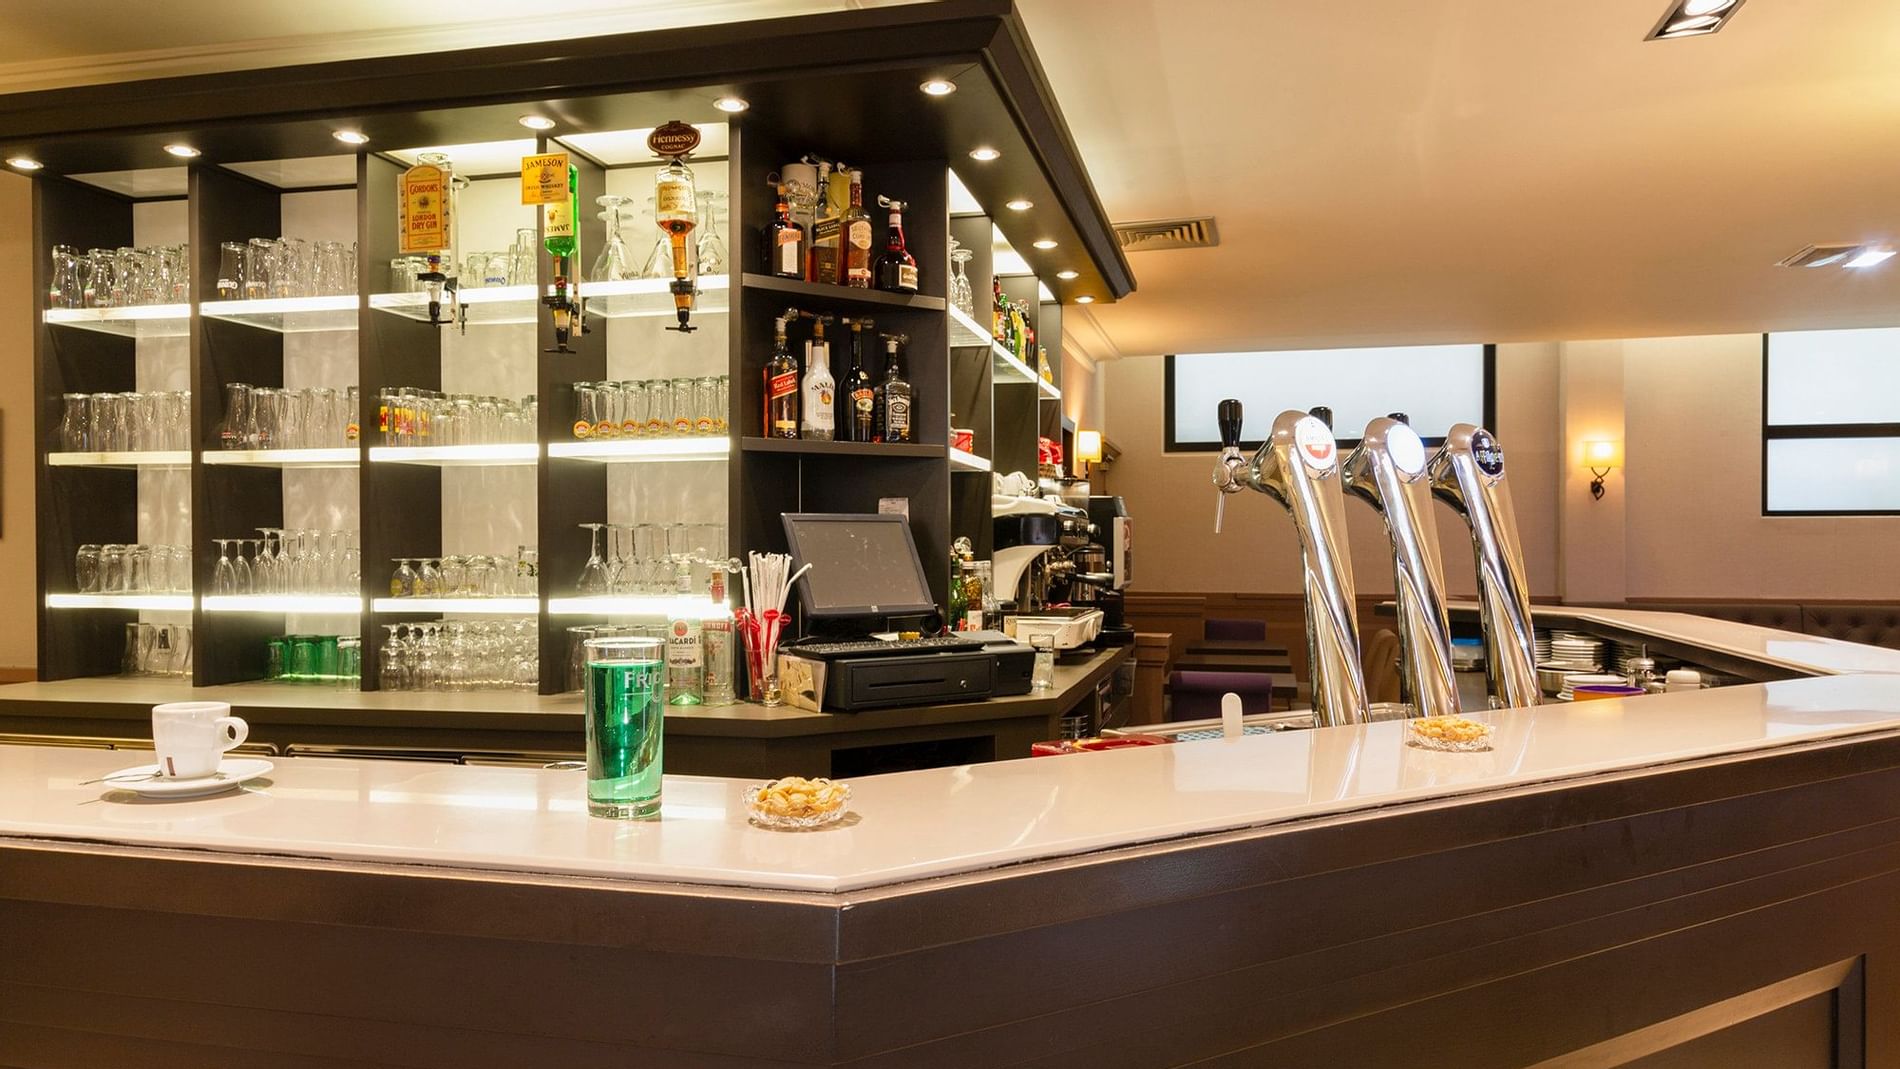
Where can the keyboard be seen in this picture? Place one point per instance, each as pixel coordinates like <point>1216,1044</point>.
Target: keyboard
<point>832,651</point>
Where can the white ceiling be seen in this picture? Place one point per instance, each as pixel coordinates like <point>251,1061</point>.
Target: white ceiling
<point>1386,171</point>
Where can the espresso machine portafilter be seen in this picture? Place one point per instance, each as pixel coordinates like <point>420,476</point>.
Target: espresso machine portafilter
<point>1468,474</point>
<point>1388,471</point>
<point>1298,466</point>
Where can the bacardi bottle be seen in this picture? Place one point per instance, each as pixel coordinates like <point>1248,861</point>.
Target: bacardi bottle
<point>896,270</point>
<point>781,387</point>
<point>817,414</point>
<point>685,658</point>
<point>854,252</point>
<point>894,394</point>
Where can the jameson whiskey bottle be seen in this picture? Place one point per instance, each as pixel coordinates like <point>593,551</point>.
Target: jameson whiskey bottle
<point>561,237</point>
<point>817,416</point>
<point>896,270</point>
<point>894,394</point>
<point>860,422</point>
<point>781,388</point>
<point>854,252</point>
<point>784,242</point>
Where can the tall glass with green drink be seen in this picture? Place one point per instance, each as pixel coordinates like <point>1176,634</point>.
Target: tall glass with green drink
<point>625,711</point>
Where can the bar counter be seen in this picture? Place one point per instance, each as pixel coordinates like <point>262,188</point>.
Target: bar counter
<point>1716,868</point>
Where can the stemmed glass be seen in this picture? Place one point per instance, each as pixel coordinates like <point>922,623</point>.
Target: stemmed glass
<point>389,675</point>
<point>619,568</point>
<point>246,582</point>
<point>960,293</point>
<point>402,582</point>
<point>614,262</point>
<point>224,575</point>
<point>712,239</point>
<point>267,577</point>
<point>594,575</point>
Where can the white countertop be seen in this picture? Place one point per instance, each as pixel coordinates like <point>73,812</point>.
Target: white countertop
<point>914,824</point>
<point>1789,649</point>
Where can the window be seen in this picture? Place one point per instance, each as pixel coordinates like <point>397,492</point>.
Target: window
<point>1435,385</point>
<point>1831,422</point>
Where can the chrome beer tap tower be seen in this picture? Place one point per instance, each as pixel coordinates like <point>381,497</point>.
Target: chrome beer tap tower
<point>1388,470</point>
<point>1298,466</point>
<point>1468,474</point>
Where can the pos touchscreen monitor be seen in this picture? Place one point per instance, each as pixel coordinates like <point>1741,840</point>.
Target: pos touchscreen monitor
<point>862,564</point>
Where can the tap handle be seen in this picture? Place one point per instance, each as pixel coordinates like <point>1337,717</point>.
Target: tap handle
<point>1323,414</point>
<point>1399,417</point>
<point>1230,424</point>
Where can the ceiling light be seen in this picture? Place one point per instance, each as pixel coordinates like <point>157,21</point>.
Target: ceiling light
<point>1020,205</point>
<point>536,122</point>
<point>1044,243</point>
<point>351,137</point>
<point>938,87</point>
<point>1068,276</point>
<point>984,154</point>
<point>1085,299</point>
<point>183,152</point>
<point>23,164</point>
<point>1870,257</point>
<point>731,105</point>
<point>1693,18</point>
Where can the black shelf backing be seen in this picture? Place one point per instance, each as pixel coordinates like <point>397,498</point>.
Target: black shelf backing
<point>893,450</point>
<point>842,296</point>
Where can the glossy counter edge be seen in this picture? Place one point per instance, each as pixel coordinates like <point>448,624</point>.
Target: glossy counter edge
<point>922,825</point>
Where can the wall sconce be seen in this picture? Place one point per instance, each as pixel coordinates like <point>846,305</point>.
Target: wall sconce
<point>1088,449</point>
<point>1600,457</point>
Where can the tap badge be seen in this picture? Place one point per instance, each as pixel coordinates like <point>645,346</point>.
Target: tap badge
<point>1406,449</point>
<point>1489,455</point>
<point>1315,444</point>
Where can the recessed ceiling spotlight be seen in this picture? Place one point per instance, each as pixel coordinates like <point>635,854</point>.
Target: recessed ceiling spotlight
<point>984,154</point>
<point>183,152</point>
<point>1085,299</point>
<point>731,105</point>
<point>536,122</point>
<point>1044,243</point>
<point>1020,205</point>
<point>1693,18</point>
<point>938,87</point>
<point>21,163</point>
<point>351,137</point>
<point>1068,276</point>
<point>1870,257</point>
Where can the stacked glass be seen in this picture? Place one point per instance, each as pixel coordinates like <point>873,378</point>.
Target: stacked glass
<point>467,576</point>
<point>119,278</point>
<point>137,568</point>
<point>125,422</point>
<point>288,561</point>
<point>327,660</point>
<point>460,655</point>
<point>654,559</point>
<point>651,408</point>
<point>269,417</point>
<point>411,416</point>
<point>264,268</point>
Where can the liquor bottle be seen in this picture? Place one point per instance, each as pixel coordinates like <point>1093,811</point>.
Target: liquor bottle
<point>999,309</point>
<point>821,265</point>
<point>854,251</point>
<point>1042,365</point>
<point>894,394</point>
<point>959,603</point>
<point>817,416</point>
<point>781,387</point>
<point>685,657</point>
<point>1018,333</point>
<point>426,226</point>
<point>784,242</point>
<point>716,636</point>
<point>561,237</point>
<point>896,270</point>
<point>676,212</point>
<point>858,390</point>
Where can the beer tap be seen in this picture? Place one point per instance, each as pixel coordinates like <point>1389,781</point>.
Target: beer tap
<point>1298,466</point>
<point>1388,472</point>
<point>1468,474</point>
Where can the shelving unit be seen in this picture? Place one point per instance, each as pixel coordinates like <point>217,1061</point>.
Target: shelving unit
<point>268,163</point>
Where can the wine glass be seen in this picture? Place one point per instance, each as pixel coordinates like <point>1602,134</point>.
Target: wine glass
<point>224,575</point>
<point>712,239</point>
<point>594,575</point>
<point>246,582</point>
<point>614,262</point>
<point>960,293</point>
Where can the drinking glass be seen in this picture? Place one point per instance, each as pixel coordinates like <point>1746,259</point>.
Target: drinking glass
<point>74,422</point>
<point>224,573</point>
<point>705,405</point>
<point>455,576</point>
<point>721,399</point>
<point>712,237</point>
<point>680,404</point>
<point>246,575</point>
<point>609,409</point>
<point>260,268</point>
<point>86,569</point>
<point>230,270</point>
<point>634,399</point>
<point>64,288</point>
<point>960,292</point>
<point>98,269</point>
<point>524,257</point>
<point>527,571</point>
<point>586,408</point>
<point>593,578</point>
<point>614,262</point>
<point>625,700</point>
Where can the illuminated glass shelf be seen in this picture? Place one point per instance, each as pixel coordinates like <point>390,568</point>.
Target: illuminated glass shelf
<point>965,334</point>
<point>345,457</point>
<point>288,315</point>
<point>637,605</point>
<point>485,305</point>
<point>509,454</point>
<point>134,321</point>
<point>962,461</point>
<point>489,606</point>
<point>163,602</point>
<point>320,604</point>
<point>644,450</point>
<point>650,297</point>
<point>152,458</point>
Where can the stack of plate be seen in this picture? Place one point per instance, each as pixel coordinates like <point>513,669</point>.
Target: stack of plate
<point>1587,679</point>
<point>1621,653</point>
<point>1541,640</point>
<point>1574,648</point>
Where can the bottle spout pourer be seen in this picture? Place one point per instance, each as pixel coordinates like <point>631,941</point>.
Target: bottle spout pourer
<point>1229,465</point>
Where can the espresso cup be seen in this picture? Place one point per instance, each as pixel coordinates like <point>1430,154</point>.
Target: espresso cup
<point>191,737</point>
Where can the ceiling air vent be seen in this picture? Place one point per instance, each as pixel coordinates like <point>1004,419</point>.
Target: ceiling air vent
<point>1168,234</point>
<point>1819,256</point>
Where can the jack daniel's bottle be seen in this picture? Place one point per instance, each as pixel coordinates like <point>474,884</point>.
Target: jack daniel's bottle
<point>894,396</point>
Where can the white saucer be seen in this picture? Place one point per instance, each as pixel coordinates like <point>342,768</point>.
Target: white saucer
<point>144,781</point>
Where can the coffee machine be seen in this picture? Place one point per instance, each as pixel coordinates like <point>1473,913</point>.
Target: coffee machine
<point>1093,574</point>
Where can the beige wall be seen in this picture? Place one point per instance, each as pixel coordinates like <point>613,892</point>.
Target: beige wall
<point>19,637</point>
<point>1682,519</point>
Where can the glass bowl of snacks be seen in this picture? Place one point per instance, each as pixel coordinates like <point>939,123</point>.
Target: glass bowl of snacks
<point>794,803</point>
<point>1453,734</point>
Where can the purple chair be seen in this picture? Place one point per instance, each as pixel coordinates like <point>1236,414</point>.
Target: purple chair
<point>1234,630</point>
<point>1197,695</point>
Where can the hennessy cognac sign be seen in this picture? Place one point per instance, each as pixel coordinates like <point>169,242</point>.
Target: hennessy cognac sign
<point>674,139</point>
